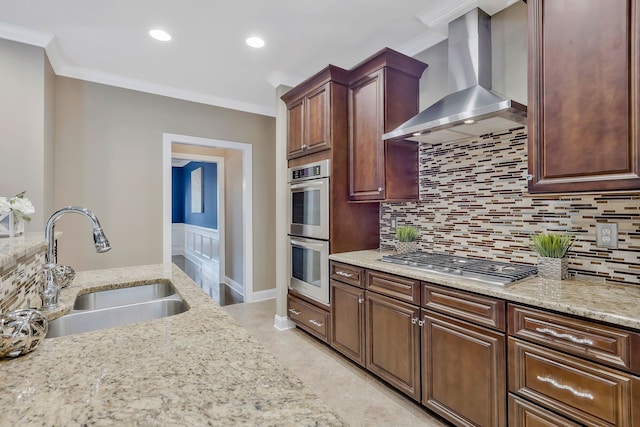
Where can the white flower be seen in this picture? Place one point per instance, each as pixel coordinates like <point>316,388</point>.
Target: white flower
<point>5,206</point>
<point>22,205</point>
<point>19,205</point>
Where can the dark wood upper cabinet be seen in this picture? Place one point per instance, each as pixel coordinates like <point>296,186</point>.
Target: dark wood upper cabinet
<point>584,95</point>
<point>314,112</point>
<point>383,93</point>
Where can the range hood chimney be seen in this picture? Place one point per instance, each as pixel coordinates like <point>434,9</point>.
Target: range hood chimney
<point>471,109</point>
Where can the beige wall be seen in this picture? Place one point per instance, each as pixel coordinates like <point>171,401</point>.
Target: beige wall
<point>233,176</point>
<point>26,127</point>
<point>108,158</point>
<point>509,59</point>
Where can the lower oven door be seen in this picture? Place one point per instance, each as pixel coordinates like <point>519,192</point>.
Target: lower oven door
<point>309,267</point>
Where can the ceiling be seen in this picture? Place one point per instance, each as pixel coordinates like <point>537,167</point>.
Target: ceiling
<point>207,60</point>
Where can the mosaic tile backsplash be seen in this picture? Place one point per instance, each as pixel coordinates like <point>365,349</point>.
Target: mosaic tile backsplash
<point>20,283</point>
<point>474,202</point>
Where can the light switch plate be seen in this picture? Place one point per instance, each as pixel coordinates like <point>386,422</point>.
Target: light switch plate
<point>607,235</point>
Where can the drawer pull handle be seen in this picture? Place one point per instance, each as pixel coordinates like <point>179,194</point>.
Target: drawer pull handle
<point>564,387</point>
<point>315,322</point>
<point>565,336</point>
<point>294,311</point>
<point>342,273</point>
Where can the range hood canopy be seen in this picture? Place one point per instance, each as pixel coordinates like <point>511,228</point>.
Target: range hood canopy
<point>471,109</point>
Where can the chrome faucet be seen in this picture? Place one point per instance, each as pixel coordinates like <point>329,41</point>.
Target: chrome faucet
<point>57,276</point>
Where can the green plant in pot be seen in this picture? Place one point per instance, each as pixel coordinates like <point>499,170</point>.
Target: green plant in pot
<point>552,249</point>
<point>407,236</point>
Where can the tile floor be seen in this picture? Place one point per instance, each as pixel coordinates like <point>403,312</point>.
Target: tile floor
<point>359,398</point>
<point>219,292</point>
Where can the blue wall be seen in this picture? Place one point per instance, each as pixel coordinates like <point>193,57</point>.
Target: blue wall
<point>177,195</point>
<point>181,189</point>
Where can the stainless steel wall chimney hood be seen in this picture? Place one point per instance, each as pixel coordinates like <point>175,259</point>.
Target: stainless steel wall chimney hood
<point>471,109</point>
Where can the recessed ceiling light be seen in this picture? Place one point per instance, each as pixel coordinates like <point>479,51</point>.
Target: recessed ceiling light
<point>255,42</point>
<point>161,35</point>
<point>469,122</point>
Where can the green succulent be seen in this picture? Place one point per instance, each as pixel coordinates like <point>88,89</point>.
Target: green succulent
<point>406,233</point>
<point>552,245</point>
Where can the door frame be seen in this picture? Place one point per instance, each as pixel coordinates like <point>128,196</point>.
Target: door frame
<point>219,161</point>
<point>247,197</point>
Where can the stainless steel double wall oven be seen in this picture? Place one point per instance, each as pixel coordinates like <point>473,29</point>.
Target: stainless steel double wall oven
<point>309,230</point>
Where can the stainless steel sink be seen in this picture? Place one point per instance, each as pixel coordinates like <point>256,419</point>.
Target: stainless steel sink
<point>118,307</point>
<point>123,296</point>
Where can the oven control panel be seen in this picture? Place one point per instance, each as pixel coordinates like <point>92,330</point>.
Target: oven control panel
<point>309,171</point>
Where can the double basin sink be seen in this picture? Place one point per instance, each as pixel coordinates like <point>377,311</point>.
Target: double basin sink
<point>117,307</point>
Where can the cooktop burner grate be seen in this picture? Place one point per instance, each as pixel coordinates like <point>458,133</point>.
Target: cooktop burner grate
<point>494,272</point>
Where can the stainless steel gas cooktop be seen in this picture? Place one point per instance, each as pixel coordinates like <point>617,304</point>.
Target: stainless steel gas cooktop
<point>492,272</point>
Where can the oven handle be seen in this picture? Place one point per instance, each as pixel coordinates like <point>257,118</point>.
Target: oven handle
<point>310,183</point>
<point>307,245</point>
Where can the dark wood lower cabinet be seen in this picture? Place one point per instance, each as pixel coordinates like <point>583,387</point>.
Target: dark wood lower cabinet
<point>526,414</point>
<point>393,342</point>
<point>348,328</point>
<point>463,371</point>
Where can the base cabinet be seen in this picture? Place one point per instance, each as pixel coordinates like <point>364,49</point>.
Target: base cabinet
<point>463,374</point>
<point>525,414</point>
<point>393,342</point>
<point>309,317</point>
<point>348,326</point>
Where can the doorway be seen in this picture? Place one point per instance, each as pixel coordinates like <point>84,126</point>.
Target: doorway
<point>245,255</point>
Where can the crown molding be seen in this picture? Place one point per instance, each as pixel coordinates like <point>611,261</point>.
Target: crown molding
<point>25,35</point>
<point>421,43</point>
<point>109,79</point>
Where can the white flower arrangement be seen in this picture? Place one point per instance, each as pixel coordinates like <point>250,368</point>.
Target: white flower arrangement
<point>19,205</point>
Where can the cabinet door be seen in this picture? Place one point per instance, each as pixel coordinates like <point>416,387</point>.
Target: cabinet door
<point>366,148</point>
<point>393,342</point>
<point>317,135</point>
<point>347,320</point>
<point>295,129</point>
<point>584,95</point>
<point>463,371</point>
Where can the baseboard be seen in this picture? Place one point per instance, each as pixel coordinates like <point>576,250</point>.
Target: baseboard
<point>263,295</point>
<point>234,285</point>
<point>283,323</point>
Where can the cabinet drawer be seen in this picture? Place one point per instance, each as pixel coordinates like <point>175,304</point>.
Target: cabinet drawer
<point>526,414</point>
<point>473,308</point>
<point>394,286</point>
<point>583,391</point>
<point>310,318</point>
<point>590,340</point>
<point>346,273</point>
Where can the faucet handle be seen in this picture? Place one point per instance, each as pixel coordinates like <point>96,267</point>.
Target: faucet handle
<point>51,291</point>
<point>64,275</point>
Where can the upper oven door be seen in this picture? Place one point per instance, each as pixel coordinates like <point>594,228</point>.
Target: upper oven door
<point>309,209</point>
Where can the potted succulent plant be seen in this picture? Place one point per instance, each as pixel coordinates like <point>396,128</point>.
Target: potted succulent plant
<point>552,249</point>
<point>407,236</point>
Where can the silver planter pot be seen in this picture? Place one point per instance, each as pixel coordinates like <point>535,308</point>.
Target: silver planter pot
<point>405,247</point>
<point>553,268</point>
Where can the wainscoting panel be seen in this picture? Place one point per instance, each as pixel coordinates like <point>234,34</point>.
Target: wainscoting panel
<point>199,245</point>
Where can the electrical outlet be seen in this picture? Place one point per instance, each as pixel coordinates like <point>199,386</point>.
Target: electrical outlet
<point>607,235</point>
<point>393,223</point>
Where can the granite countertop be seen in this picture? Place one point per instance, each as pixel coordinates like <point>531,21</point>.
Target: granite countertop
<point>15,247</point>
<point>195,368</point>
<point>594,299</point>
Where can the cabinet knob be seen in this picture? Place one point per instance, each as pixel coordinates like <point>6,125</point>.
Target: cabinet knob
<point>529,177</point>
<point>360,300</point>
<point>379,189</point>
